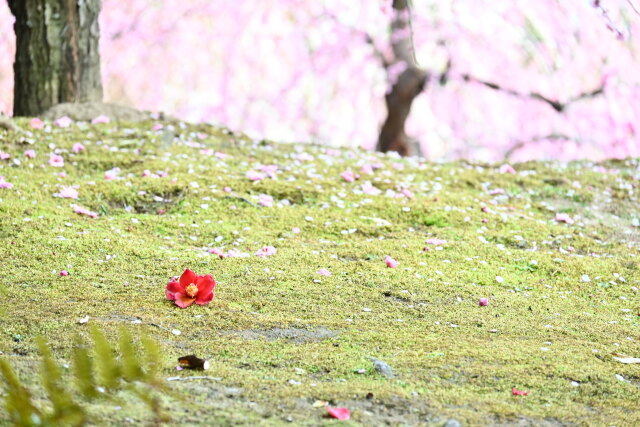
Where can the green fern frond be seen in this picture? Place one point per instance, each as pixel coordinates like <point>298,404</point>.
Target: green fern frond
<point>65,410</point>
<point>108,367</point>
<point>131,366</point>
<point>136,370</point>
<point>152,360</point>
<point>18,402</point>
<point>83,370</point>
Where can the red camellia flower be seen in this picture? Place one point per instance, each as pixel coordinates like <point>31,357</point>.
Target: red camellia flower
<point>191,288</point>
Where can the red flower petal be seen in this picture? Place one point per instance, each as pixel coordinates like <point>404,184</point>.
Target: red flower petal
<point>187,278</point>
<point>171,289</point>
<point>517,392</point>
<point>339,413</point>
<point>183,300</point>
<point>205,284</point>
<point>203,299</point>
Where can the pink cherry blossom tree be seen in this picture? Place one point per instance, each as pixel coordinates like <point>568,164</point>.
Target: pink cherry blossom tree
<point>518,79</point>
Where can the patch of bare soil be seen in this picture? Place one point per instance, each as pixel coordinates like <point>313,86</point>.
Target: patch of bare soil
<point>295,335</point>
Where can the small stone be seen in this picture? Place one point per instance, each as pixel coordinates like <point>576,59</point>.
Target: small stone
<point>382,367</point>
<point>452,423</point>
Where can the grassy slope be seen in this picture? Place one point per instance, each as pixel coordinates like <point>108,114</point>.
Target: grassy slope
<point>543,330</point>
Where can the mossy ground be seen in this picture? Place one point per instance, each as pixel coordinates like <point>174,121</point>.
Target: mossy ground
<point>546,330</point>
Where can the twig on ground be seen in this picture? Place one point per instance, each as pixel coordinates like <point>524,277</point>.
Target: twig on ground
<point>196,377</point>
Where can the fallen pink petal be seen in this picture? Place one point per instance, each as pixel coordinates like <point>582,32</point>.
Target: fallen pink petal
<point>368,188</point>
<point>4,183</point>
<point>436,242</point>
<point>56,160</point>
<point>367,169</point>
<point>36,123</point>
<point>218,251</point>
<point>265,200</point>
<point>506,168</point>
<point>565,218</point>
<point>112,174</point>
<point>63,122</point>
<point>269,170</point>
<point>339,413</point>
<point>84,211</point>
<point>516,392</point>
<point>391,263</point>
<point>67,193</point>
<point>348,176</point>
<point>255,176</point>
<point>324,272</point>
<point>266,251</point>
<point>100,119</point>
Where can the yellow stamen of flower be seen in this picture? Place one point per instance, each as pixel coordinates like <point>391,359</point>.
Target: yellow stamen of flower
<point>192,290</point>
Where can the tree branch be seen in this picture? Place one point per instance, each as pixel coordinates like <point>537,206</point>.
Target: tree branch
<point>558,106</point>
<point>551,137</point>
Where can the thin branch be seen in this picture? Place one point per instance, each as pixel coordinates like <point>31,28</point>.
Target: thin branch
<point>551,137</point>
<point>413,44</point>
<point>633,7</point>
<point>367,37</point>
<point>556,105</point>
<point>197,377</point>
<point>610,25</point>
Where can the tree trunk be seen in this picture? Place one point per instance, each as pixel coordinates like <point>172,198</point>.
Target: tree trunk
<point>408,85</point>
<point>57,54</point>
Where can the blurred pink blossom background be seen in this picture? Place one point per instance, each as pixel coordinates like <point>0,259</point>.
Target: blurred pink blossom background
<point>307,71</point>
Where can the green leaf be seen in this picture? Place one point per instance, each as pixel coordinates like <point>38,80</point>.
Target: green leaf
<point>131,369</point>
<point>108,368</point>
<point>18,403</point>
<point>83,370</point>
<point>65,411</point>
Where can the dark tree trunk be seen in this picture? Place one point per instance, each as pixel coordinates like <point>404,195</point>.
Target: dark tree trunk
<point>409,84</point>
<point>57,54</point>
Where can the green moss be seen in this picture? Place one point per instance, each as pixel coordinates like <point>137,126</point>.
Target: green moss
<point>453,359</point>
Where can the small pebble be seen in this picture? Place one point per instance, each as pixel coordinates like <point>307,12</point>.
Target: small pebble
<point>382,367</point>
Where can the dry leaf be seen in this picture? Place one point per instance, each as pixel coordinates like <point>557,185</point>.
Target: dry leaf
<point>193,362</point>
